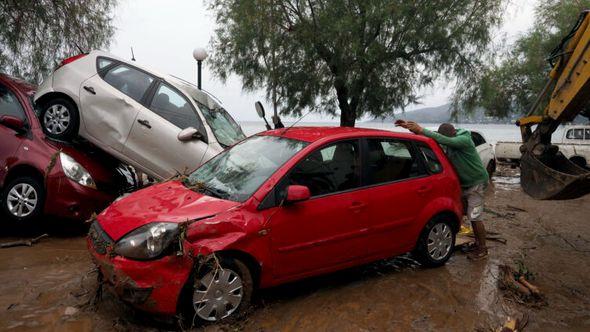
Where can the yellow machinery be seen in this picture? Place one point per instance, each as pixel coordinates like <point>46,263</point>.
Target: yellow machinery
<point>545,172</point>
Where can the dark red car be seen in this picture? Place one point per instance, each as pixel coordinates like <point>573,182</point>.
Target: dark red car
<point>277,207</point>
<point>40,176</point>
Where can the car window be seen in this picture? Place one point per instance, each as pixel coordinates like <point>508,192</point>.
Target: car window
<point>9,104</point>
<point>432,163</point>
<point>575,134</point>
<point>175,108</point>
<point>390,160</point>
<point>328,170</point>
<point>103,63</point>
<point>587,133</point>
<point>130,81</point>
<point>224,127</point>
<point>477,139</point>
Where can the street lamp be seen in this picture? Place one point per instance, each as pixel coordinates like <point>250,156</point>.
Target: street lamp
<point>199,54</point>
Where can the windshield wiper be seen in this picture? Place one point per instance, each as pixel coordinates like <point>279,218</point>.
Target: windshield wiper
<point>215,192</point>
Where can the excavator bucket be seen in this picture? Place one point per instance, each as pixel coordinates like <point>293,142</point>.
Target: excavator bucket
<point>553,178</point>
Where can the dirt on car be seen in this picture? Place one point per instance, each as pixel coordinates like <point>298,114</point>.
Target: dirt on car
<point>52,285</point>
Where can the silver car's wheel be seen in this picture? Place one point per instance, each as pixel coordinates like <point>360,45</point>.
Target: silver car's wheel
<point>440,241</point>
<point>22,200</point>
<point>57,118</point>
<point>218,294</point>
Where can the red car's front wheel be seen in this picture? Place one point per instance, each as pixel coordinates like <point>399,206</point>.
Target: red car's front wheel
<point>222,290</point>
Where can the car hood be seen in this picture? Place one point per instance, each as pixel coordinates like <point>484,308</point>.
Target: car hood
<point>169,202</point>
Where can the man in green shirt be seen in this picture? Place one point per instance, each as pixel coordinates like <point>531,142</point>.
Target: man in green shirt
<point>472,175</point>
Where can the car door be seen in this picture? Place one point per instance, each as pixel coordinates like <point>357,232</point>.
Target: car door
<point>110,102</point>
<point>11,140</point>
<point>153,141</point>
<point>399,191</point>
<point>327,229</point>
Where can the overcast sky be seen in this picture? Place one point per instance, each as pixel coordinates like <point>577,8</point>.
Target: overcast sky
<point>163,34</point>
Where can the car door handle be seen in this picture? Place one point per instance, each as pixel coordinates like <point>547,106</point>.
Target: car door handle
<point>145,123</point>
<point>357,206</point>
<point>90,89</point>
<point>423,189</point>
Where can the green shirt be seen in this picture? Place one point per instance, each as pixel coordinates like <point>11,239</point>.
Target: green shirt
<point>462,153</point>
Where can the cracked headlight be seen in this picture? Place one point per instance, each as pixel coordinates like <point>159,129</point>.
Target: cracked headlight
<point>76,172</point>
<point>148,241</point>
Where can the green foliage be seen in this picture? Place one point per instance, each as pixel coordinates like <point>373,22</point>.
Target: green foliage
<point>511,86</point>
<point>352,57</point>
<point>36,34</point>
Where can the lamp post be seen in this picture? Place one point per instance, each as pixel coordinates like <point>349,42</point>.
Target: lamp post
<point>199,54</point>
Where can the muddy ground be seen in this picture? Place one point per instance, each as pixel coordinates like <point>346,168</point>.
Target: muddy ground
<point>50,286</point>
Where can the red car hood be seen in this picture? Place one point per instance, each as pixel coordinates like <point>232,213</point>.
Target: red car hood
<point>170,202</point>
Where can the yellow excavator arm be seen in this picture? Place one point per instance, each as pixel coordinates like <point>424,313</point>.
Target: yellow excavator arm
<point>545,172</point>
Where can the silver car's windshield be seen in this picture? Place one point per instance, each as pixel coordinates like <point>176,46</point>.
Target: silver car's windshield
<point>225,129</point>
<point>236,173</point>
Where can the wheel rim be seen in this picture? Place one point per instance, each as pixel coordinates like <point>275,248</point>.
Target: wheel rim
<point>217,294</point>
<point>57,119</point>
<point>440,241</point>
<point>22,200</point>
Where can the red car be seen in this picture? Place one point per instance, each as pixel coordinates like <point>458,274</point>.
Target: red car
<point>39,176</point>
<point>279,206</point>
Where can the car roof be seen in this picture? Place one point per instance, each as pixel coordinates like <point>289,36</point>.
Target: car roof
<point>312,134</point>
<point>185,86</point>
<point>20,84</point>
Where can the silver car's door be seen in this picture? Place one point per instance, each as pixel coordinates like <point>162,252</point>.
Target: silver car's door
<point>110,103</point>
<point>153,141</point>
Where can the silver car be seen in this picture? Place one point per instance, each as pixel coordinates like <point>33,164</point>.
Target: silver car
<point>157,123</point>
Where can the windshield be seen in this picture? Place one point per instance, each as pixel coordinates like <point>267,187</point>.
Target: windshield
<point>225,129</point>
<point>235,174</point>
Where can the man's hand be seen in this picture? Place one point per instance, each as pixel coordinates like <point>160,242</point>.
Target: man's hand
<point>411,126</point>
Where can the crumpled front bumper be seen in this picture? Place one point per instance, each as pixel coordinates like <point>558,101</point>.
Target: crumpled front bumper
<point>153,286</point>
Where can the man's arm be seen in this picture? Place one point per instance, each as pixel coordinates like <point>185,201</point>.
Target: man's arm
<point>454,142</point>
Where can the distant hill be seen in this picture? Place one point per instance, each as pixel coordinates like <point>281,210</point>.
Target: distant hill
<point>442,113</point>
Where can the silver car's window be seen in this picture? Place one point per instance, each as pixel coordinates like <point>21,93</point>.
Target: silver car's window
<point>225,129</point>
<point>175,108</point>
<point>103,63</point>
<point>130,81</point>
<point>236,173</point>
<point>9,104</point>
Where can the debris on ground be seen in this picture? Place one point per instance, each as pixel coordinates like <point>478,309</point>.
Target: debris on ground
<point>518,286</point>
<point>70,311</point>
<point>23,243</point>
<point>514,324</point>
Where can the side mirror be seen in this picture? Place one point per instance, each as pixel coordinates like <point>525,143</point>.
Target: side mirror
<point>259,109</point>
<point>189,134</point>
<point>13,122</point>
<point>297,194</point>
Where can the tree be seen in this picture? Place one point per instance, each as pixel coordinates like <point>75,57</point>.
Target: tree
<point>36,34</point>
<point>512,84</point>
<point>353,57</point>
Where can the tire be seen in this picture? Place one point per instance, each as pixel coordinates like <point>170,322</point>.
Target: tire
<point>491,168</point>
<point>60,119</point>
<point>579,161</point>
<point>435,256</point>
<point>27,209</point>
<point>205,290</point>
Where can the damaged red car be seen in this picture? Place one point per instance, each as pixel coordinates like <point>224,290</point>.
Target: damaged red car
<point>277,207</point>
<point>39,176</point>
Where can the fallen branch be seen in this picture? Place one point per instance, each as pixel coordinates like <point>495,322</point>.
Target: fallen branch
<point>23,243</point>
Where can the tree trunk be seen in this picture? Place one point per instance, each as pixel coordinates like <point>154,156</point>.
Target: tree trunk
<point>347,117</point>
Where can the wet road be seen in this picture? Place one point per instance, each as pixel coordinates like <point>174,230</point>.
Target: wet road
<point>51,285</point>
